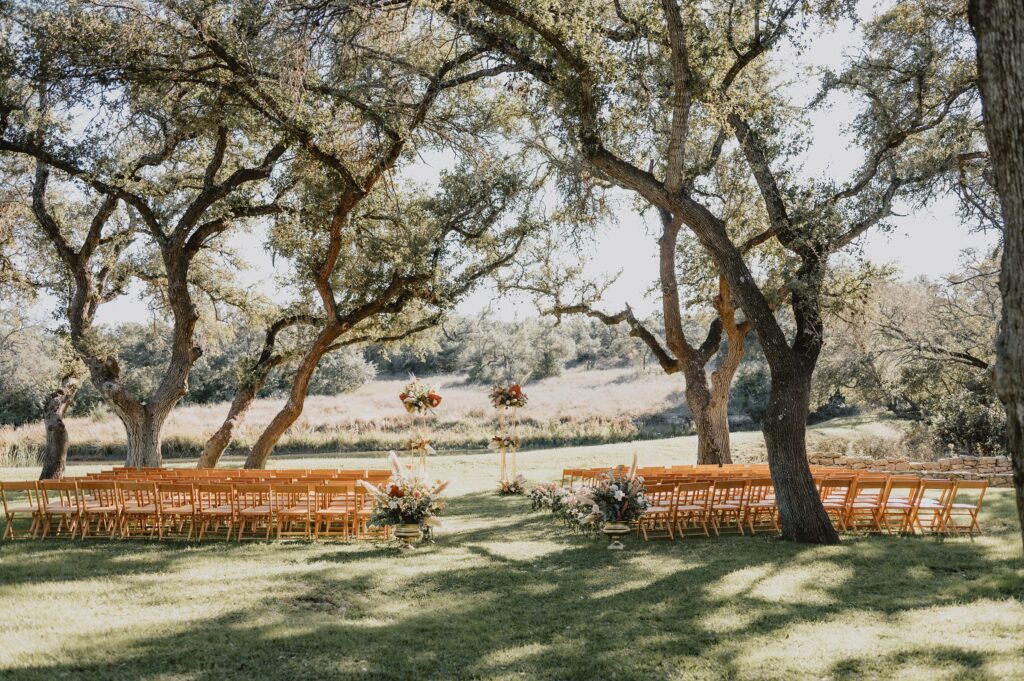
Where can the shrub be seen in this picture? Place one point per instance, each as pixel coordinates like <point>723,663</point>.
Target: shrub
<point>750,392</point>
<point>969,422</point>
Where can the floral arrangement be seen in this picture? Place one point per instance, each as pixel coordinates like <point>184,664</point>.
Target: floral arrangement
<point>574,507</point>
<point>419,398</point>
<point>504,442</point>
<point>512,396</point>
<point>544,495</point>
<point>618,497</point>
<point>513,487</point>
<point>406,499</point>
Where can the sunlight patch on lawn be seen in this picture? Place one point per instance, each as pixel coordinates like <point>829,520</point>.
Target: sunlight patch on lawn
<point>520,551</point>
<point>951,637</point>
<point>650,573</point>
<point>512,655</point>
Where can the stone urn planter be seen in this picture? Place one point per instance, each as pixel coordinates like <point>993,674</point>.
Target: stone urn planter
<point>408,534</point>
<point>615,532</point>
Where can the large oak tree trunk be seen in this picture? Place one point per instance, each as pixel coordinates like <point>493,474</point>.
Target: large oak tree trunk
<point>292,408</point>
<point>710,419</point>
<point>55,456</point>
<point>144,438</point>
<point>219,441</point>
<point>999,30</point>
<point>784,426</point>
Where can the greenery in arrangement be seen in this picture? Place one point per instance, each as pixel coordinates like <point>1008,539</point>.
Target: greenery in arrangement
<point>408,498</point>
<point>618,497</point>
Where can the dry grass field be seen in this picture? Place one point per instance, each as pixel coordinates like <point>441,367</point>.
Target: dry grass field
<point>579,407</point>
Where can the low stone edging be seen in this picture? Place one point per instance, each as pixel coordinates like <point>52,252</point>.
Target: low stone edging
<point>996,469</point>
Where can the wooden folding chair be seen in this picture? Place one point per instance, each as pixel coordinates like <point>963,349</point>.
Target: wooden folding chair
<point>139,507</point>
<point>335,510</point>
<point>364,513</point>
<point>293,505</point>
<point>14,506</point>
<point>933,505</point>
<point>215,507</point>
<point>966,508</point>
<point>866,503</point>
<point>60,502</point>
<point>759,508</point>
<point>177,508</point>
<point>101,506</point>
<point>836,497</point>
<point>660,515</point>
<point>692,507</point>
<point>727,499</point>
<point>253,508</point>
<point>898,504</point>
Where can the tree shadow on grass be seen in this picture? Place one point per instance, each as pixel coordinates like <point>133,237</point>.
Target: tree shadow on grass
<point>481,604</point>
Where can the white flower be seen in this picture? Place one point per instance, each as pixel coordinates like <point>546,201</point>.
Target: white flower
<point>393,504</point>
<point>619,495</point>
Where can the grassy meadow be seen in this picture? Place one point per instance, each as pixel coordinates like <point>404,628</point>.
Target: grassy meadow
<point>579,407</point>
<point>504,593</point>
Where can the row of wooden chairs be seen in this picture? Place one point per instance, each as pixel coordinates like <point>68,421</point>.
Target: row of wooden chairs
<point>157,508</point>
<point>741,498</point>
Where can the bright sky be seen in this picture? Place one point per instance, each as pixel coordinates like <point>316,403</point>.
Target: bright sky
<point>925,242</point>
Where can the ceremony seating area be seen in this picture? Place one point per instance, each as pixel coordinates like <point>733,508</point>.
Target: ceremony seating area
<point>200,504</point>
<point>740,498</point>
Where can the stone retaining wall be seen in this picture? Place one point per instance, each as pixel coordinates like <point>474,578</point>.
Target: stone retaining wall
<point>996,469</point>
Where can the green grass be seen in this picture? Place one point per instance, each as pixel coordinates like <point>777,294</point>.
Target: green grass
<point>509,594</point>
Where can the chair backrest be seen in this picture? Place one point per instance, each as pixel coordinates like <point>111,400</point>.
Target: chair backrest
<point>291,495</point>
<point>693,493</point>
<point>661,494</point>
<point>250,495</point>
<point>837,486</point>
<point>336,494</point>
<point>964,491</point>
<point>759,488</point>
<point>902,490</point>
<point>30,490</point>
<point>99,491</point>
<point>869,490</point>
<point>142,492</point>
<point>936,493</point>
<point>58,493</point>
<point>214,494</point>
<point>731,490</point>
<point>176,494</point>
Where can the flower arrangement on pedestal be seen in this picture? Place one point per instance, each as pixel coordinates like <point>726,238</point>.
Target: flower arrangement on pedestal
<point>408,501</point>
<point>618,500</point>
<point>419,399</point>
<point>505,398</point>
<point>510,398</point>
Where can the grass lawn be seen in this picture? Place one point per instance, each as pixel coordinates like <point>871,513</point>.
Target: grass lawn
<point>505,593</point>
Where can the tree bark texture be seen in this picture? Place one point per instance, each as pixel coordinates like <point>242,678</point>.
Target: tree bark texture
<point>999,30</point>
<point>55,456</point>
